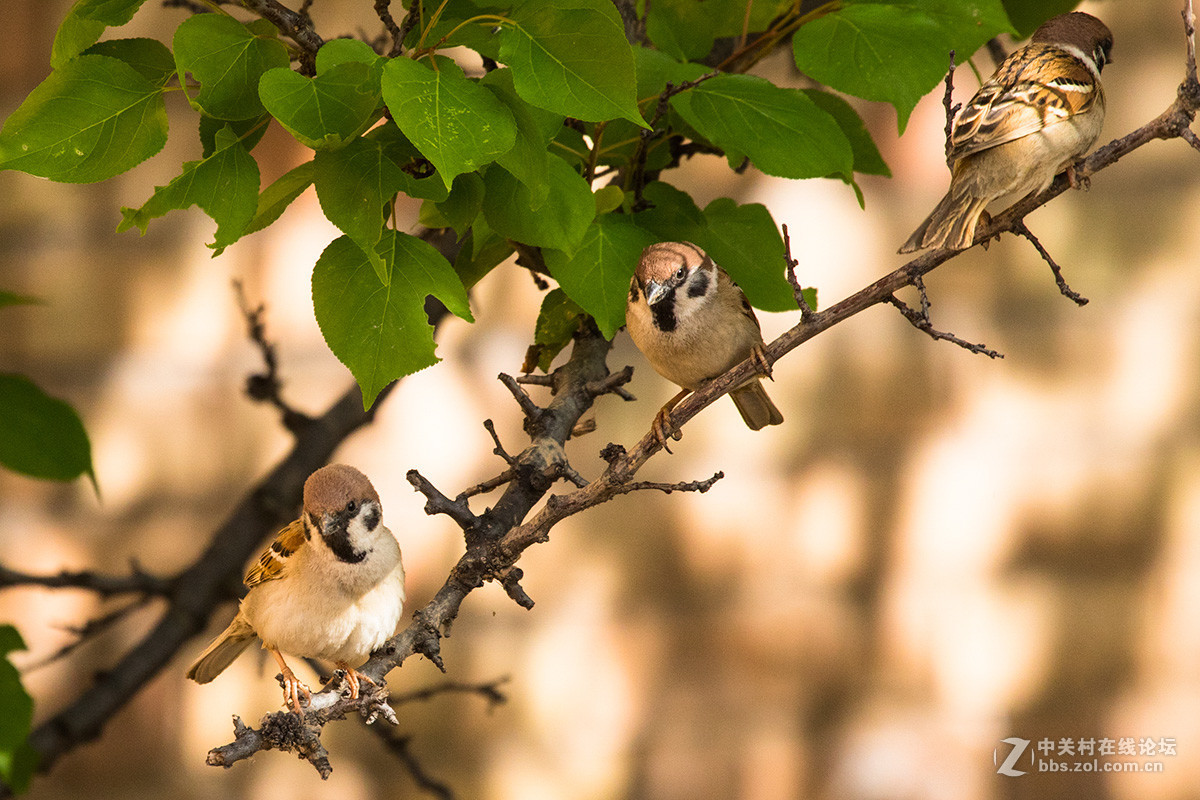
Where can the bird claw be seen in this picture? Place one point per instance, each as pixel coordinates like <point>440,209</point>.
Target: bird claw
<point>664,430</point>
<point>758,355</point>
<point>352,678</point>
<point>293,688</point>
<point>1077,181</point>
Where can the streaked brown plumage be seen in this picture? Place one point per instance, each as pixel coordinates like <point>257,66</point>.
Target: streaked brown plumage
<point>1040,112</point>
<point>330,586</point>
<point>693,323</point>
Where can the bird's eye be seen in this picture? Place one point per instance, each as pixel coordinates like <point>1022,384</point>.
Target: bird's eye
<point>680,273</point>
<point>351,507</point>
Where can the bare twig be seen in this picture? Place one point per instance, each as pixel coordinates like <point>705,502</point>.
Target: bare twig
<point>533,412</point>
<point>296,26</point>
<point>1021,229</point>
<point>383,11</point>
<point>499,450</point>
<point>93,627</point>
<point>136,582</point>
<point>921,321</point>
<point>651,132</point>
<point>266,386</point>
<point>438,503</point>
<point>401,748</point>
<point>797,290</point>
<point>489,691</point>
<point>613,384</point>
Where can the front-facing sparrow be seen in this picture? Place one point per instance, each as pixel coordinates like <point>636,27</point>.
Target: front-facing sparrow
<point>693,323</point>
<point>331,586</point>
<point>1039,113</point>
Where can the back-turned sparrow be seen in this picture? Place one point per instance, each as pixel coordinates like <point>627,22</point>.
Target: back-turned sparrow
<point>693,323</point>
<point>330,586</point>
<point>1039,113</point>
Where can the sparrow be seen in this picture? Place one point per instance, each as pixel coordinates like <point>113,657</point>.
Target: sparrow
<point>693,323</point>
<point>1040,112</point>
<point>331,586</point>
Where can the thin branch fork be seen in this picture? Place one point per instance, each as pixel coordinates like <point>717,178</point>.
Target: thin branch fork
<point>921,321</point>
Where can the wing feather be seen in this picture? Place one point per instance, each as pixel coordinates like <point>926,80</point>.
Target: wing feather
<point>1035,87</point>
<point>273,561</point>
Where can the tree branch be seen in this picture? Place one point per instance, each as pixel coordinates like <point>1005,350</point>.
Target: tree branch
<point>136,582</point>
<point>296,26</point>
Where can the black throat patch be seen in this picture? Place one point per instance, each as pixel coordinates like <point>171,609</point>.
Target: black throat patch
<point>337,539</point>
<point>664,312</point>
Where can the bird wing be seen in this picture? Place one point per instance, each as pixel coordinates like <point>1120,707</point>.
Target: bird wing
<point>271,563</point>
<point>1036,87</point>
<point>726,283</point>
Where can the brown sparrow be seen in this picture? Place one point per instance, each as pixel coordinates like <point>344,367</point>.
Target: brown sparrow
<point>693,323</point>
<point>1040,111</point>
<point>330,586</point>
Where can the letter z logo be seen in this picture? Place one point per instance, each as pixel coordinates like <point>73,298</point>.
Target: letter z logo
<point>1008,767</point>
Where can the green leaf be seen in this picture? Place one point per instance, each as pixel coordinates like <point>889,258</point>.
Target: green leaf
<point>355,186</point>
<point>459,20</point>
<point>12,299</point>
<point>672,215</point>
<point>867,159</point>
<point>323,112</point>
<point>280,194</point>
<point>249,131</point>
<point>227,59</point>
<point>380,332</point>
<point>782,131</point>
<point>894,52</point>
<point>746,242</point>
<point>224,186</point>
<point>559,222</point>
<point>455,123</point>
<point>40,436</point>
<point>597,275</point>
<point>968,24</point>
<point>418,177</point>
<point>609,198</point>
<point>528,160</point>
<point>686,29</point>
<point>149,57</point>
<point>481,252</point>
<point>84,24</point>
<point>93,118</point>
<point>342,51</point>
<point>557,322</point>
<point>464,203</point>
<point>17,758</point>
<point>571,57</point>
<point>1027,15</point>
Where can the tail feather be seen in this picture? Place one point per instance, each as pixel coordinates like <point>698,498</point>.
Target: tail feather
<point>755,406</point>
<point>224,649</point>
<point>951,224</point>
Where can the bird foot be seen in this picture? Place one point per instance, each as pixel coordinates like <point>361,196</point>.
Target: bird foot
<point>758,355</point>
<point>1077,181</point>
<point>293,689</point>
<point>353,678</point>
<point>663,427</point>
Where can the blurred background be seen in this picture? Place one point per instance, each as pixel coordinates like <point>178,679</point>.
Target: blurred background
<point>936,552</point>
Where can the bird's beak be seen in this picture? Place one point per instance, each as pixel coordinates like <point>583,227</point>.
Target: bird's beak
<point>654,292</point>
